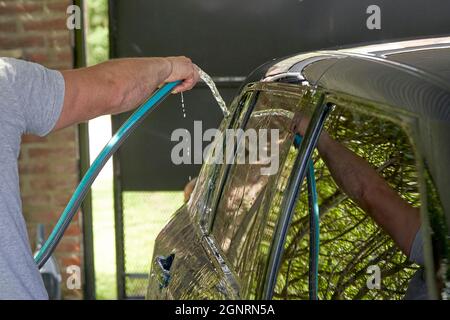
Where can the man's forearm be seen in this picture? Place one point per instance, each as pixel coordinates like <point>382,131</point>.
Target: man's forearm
<point>128,82</point>
<point>111,87</point>
<point>371,192</point>
<point>345,167</point>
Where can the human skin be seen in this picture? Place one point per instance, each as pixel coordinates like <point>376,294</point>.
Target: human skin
<point>120,85</point>
<point>367,188</point>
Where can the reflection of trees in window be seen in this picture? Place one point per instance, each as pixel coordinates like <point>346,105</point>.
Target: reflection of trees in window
<point>440,239</point>
<point>253,279</point>
<point>238,223</point>
<point>350,240</point>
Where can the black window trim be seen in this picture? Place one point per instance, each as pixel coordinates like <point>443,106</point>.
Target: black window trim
<point>299,170</point>
<point>406,121</point>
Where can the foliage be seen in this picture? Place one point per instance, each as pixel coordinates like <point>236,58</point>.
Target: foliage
<point>97,35</point>
<point>350,240</point>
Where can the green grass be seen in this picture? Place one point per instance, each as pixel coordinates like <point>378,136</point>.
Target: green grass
<point>145,214</point>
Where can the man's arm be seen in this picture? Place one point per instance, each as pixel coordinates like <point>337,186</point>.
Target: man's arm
<point>371,192</point>
<point>367,189</point>
<point>119,85</point>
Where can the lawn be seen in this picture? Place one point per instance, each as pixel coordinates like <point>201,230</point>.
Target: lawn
<point>145,213</point>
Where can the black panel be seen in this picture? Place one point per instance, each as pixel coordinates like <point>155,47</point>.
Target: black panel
<point>231,38</point>
<point>145,162</point>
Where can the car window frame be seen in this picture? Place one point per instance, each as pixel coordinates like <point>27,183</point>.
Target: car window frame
<point>409,124</point>
<point>300,168</point>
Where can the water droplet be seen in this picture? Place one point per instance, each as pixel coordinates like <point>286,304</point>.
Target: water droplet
<point>183,107</point>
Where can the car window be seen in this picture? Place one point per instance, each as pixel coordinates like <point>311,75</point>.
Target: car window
<point>366,171</point>
<point>206,182</point>
<point>240,217</point>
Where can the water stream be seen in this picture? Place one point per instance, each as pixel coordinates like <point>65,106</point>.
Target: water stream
<point>216,94</point>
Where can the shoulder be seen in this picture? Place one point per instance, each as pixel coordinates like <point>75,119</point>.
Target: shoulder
<point>12,69</point>
<point>8,65</point>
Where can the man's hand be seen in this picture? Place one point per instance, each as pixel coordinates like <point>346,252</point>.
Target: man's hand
<point>300,123</point>
<point>182,68</point>
<point>120,85</point>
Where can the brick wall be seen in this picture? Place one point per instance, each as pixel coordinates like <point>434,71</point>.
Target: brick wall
<point>36,30</point>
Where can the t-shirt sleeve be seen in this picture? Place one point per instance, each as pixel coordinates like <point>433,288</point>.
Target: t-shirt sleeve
<point>416,253</point>
<point>40,95</point>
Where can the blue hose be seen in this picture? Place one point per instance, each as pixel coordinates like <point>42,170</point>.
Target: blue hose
<point>111,147</point>
<point>314,234</point>
<point>314,228</point>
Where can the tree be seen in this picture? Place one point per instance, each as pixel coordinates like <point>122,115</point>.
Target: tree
<point>97,35</point>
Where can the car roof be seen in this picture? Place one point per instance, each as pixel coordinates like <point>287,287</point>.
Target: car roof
<point>428,55</point>
<point>412,75</point>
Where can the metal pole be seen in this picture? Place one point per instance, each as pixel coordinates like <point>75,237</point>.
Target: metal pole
<point>83,137</point>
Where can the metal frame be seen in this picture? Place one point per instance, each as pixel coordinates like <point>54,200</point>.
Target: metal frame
<point>83,138</point>
<point>299,172</point>
<point>119,229</point>
<point>117,185</point>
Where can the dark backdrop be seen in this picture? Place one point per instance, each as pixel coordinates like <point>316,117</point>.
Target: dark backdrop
<point>229,38</point>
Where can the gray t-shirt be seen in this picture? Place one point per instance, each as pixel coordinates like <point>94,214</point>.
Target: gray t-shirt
<point>31,99</point>
<point>417,288</point>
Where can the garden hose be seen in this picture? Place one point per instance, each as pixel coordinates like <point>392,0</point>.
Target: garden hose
<point>82,189</point>
<point>314,229</point>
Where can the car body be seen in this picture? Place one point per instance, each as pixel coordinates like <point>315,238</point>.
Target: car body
<point>235,239</point>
